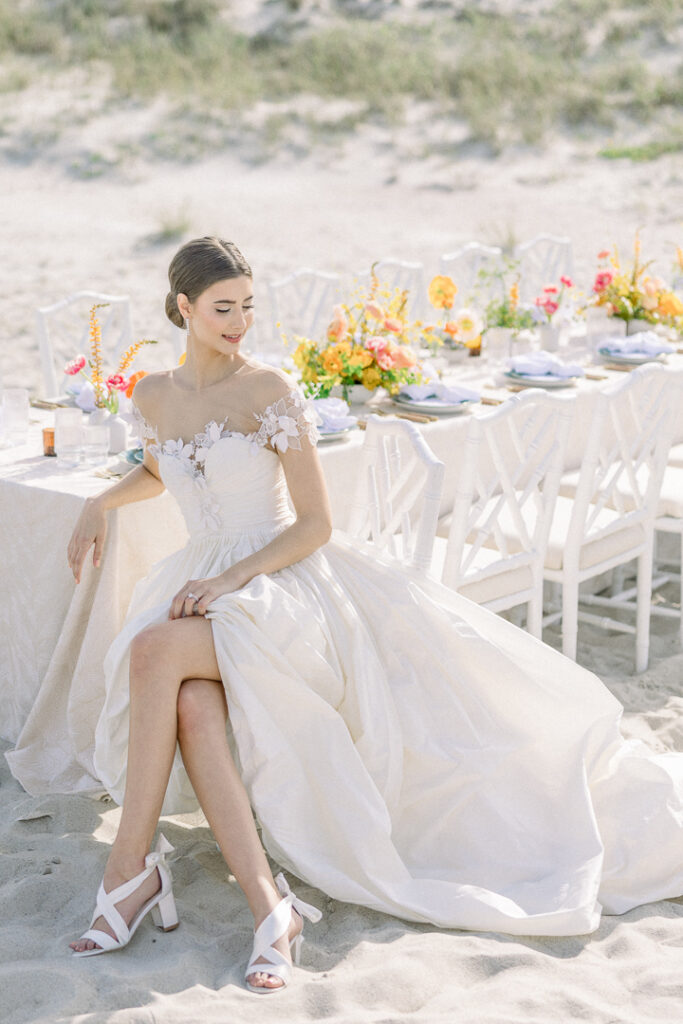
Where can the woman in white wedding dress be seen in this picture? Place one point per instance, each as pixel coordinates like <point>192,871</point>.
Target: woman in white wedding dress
<point>401,747</point>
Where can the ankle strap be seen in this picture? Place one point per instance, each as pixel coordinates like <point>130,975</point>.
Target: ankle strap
<point>304,909</point>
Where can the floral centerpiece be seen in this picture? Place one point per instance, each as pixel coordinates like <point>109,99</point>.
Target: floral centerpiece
<point>630,293</point>
<point>367,343</point>
<point>91,387</point>
<point>459,330</point>
<point>505,311</point>
<point>551,298</point>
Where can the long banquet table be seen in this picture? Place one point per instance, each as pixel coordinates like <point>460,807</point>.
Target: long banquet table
<point>55,633</point>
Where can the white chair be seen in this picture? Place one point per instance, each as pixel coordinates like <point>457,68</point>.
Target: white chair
<point>302,303</point>
<point>668,519</point>
<point>396,504</point>
<point>506,492</point>
<point>463,266</point>
<point>604,516</point>
<point>542,260</point>
<point>63,332</point>
<point>403,274</point>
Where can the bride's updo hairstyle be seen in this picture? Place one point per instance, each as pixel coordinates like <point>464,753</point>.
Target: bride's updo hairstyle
<point>199,264</point>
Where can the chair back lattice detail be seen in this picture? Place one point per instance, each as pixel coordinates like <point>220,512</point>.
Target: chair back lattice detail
<point>507,487</point>
<point>626,455</point>
<point>463,266</point>
<point>396,504</point>
<point>302,303</point>
<point>543,260</point>
<point>63,332</point>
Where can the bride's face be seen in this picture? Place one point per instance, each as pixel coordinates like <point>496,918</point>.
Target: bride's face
<point>222,315</point>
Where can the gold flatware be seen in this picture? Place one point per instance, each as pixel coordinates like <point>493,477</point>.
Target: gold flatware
<point>596,376</point>
<point>490,400</point>
<point>42,403</point>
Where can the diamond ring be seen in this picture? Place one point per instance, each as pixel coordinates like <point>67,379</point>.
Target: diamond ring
<point>192,596</point>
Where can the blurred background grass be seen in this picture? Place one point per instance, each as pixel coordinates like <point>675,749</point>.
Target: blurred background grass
<point>609,70</point>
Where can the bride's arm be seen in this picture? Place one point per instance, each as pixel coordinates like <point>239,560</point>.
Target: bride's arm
<point>310,530</point>
<point>91,526</point>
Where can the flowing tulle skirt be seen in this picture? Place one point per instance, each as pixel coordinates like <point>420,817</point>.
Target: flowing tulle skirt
<point>407,750</point>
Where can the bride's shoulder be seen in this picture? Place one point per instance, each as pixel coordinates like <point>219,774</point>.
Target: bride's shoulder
<point>269,384</point>
<point>150,391</point>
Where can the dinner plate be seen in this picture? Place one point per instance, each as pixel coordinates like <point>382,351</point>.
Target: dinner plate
<point>134,456</point>
<point>434,405</point>
<point>329,437</point>
<point>545,380</point>
<point>631,358</point>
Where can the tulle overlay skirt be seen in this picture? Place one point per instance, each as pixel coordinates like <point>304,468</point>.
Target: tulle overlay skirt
<point>407,750</point>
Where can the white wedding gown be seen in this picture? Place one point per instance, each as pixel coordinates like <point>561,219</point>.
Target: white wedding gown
<point>403,748</point>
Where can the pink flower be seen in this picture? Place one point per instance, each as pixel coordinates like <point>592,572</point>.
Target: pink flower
<point>550,289</point>
<point>603,254</point>
<point>393,325</point>
<point>117,382</point>
<point>339,326</point>
<point>567,282</point>
<point>385,360</point>
<point>376,344</point>
<point>403,359</point>
<point>602,281</point>
<point>551,307</point>
<point>649,302</point>
<point>374,310</point>
<point>75,366</point>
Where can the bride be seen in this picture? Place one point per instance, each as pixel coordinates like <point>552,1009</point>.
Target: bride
<point>401,747</point>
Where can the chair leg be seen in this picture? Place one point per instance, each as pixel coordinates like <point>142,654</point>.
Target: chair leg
<point>570,617</point>
<point>643,603</point>
<point>534,617</point>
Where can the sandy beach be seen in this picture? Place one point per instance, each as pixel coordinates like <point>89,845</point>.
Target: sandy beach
<point>380,191</point>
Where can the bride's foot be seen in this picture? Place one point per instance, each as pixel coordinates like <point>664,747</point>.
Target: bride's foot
<point>125,897</point>
<point>262,979</point>
<point>114,876</point>
<point>276,934</point>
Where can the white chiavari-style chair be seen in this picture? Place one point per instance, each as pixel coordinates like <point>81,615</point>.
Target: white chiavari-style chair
<point>396,504</point>
<point>63,332</point>
<point>403,274</point>
<point>491,548</point>
<point>605,514</point>
<point>464,264</point>
<point>668,519</point>
<point>302,303</point>
<point>542,261</point>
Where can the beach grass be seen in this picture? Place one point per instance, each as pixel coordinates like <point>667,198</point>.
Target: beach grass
<point>512,76</point>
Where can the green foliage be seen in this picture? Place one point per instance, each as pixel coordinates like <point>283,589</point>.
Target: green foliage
<point>648,151</point>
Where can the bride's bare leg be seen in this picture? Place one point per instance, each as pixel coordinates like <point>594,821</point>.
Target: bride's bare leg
<point>202,717</point>
<point>161,658</point>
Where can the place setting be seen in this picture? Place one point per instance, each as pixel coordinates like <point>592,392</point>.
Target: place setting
<point>625,353</point>
<point>541,370</point>
<point>334,420</point>
<point>436,398</point>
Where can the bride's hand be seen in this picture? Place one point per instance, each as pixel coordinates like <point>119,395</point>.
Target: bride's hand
<point>90,528</point>
<point>196,596</point>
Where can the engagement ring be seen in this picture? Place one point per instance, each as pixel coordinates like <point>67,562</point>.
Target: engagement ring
<point>193,596</point>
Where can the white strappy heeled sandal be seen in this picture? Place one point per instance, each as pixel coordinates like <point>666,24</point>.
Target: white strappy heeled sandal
<point>162,905</point>
<point>273,928</point>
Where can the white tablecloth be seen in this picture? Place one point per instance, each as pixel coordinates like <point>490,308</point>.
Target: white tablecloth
<point>54,634</point>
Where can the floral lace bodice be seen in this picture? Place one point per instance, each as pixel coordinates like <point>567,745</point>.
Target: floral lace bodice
<point>227,480</point>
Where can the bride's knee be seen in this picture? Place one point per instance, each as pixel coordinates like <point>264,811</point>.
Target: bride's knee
<point>149,646</point>
<point>200,701</point>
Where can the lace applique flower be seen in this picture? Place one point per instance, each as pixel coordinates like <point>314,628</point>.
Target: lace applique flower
<point>286,422</point>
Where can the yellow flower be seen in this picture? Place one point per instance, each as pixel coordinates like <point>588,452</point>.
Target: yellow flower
<point>514,295</point>
<point>332,361</point>
<point>442,292</point>
<point>670,305</point>
<point>371,378</point>
<point>679,256</point>
<point>360,358</point>
<point>182,359</point>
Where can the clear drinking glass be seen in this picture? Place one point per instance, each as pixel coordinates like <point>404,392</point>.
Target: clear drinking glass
<point>15,415</point>
<point>95,443</point>
<point>68,437</point>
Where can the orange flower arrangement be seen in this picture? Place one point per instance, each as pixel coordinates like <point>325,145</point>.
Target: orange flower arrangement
<point>106,390</point>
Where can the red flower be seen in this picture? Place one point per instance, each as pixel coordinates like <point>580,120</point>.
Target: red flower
<point>117,382</point>
<point>567,282</point>
<point>602,281</point>
<point>550,306</point>
<point>551,289</point>
<point>75,366</point>
<point>603,254</point>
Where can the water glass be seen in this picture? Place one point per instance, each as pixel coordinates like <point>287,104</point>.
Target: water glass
<point>95,443</point>
<point>15,415</point>
<point>68,437</point>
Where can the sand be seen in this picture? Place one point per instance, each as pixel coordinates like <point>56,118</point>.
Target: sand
<point>337,208</point>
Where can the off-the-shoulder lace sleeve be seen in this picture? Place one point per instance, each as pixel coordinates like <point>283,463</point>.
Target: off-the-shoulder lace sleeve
<point>146,432</point>
<point>286,422</point>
